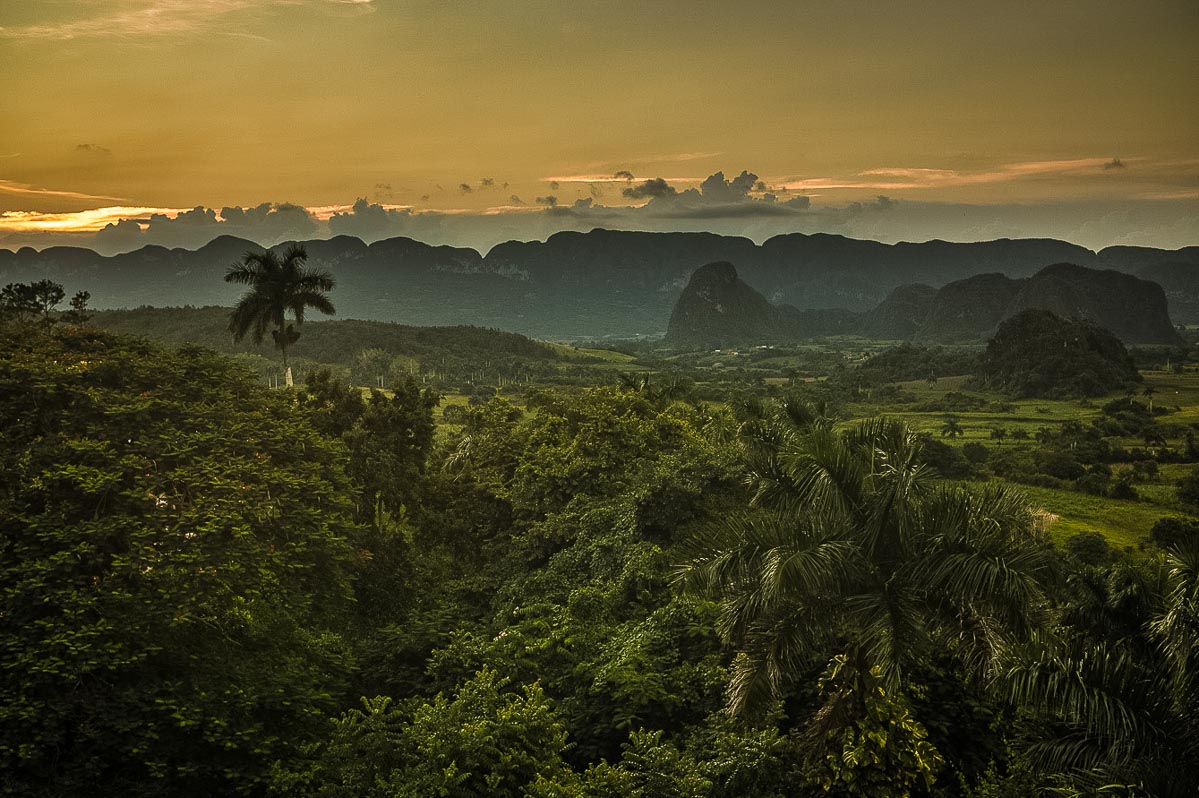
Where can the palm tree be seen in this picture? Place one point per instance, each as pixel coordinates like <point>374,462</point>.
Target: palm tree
<point>277,285</point>
<point>952,427</point>
<point>851,548</point>
<point>1113,697</point>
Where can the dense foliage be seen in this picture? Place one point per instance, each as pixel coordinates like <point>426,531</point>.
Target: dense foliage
<point>176,569</point>
<point>210,587</point>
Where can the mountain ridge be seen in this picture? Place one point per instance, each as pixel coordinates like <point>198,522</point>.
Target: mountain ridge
<point>575,284</point>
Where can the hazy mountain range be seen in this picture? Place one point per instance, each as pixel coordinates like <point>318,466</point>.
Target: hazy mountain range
<point>717,309</point>
<point>589,285</point>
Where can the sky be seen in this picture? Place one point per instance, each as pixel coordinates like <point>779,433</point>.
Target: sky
<point>129,122</point>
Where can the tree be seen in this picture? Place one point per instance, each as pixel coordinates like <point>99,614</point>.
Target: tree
<point>278,285</point>
<point>852,548</point>
<point>176,565</point>
<point>998,434</point>
<point>1148,394</point>
<point>1111,697</point>
<point>24,300</point>
<point>952,427</point>
<point>484,740</point>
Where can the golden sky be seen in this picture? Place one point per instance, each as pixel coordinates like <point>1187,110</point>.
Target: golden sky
<point>122,108</point>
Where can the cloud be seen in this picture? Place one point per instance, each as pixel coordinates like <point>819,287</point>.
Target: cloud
<point>487,182</point>
<point>12,187</point>
<point>464,188</point>
<point>1114,163</point>
<point>623,174</point>
<point>94,149</point>
<point>553,185</point>
<point>717,189</point>
<point>88,221</point>
<point>1164,211</point>
<point>369,221</point>
<point>652,188</point>
<point>914,178</point>
<point>127,19</point>
<point>879,203</point>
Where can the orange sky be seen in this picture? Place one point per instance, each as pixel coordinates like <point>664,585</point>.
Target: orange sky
<point>125,108</point>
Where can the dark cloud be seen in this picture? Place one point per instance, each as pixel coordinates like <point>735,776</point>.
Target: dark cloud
<point>550,201</point>
<point>465,188</point>
<point>369,221</point>
<point>623,174</point>
<point>120,237</point>
<point>1114,163</point>
<point>553,185</point>
<point>94,149</point>
<point>760,186</point>
<point>879,203</point>
<point>515,200</point>
<point>717,189</point>
<point>650,189</point>
<point>596,190</point>
<point>266,224</point>
<point>487,182</point>
<point>424,197</point>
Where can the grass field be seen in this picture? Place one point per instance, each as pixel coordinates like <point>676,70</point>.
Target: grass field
<point>1123,523</point>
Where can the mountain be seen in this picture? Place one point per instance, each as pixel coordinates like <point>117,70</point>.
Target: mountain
<point>900,315</point>
<point>1133,309</point>
<point>1037,353</point>
<point>718,309</point>
<point>575,285</point>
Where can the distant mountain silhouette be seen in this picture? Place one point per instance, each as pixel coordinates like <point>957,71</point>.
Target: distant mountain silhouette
<point>718,309</point>
<point>1134,310</point>
<point>584,284</point>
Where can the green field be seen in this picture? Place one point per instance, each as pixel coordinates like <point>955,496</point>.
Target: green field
<point>1123,523</point>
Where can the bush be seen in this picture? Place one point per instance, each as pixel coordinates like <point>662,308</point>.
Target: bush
<point>1092,484</point>
<point>1188,489</point>
<point>1169,532</point>
<point>975,453</point>
<point>1090,548</point>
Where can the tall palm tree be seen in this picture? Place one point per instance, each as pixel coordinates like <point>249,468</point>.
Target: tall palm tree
<point>851,548</point>
<point>277,285</point>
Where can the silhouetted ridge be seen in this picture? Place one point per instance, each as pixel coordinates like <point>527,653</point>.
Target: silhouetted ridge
<point>593,284</point>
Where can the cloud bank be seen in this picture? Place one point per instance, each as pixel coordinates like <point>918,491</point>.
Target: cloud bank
<point>742,205</point>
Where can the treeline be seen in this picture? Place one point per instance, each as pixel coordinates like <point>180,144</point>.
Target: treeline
<point>456,358</point>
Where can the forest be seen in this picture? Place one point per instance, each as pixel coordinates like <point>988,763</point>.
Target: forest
<point>847,568</point>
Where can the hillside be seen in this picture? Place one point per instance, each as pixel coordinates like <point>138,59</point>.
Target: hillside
<point>573,285</point>
<point>456,355</point>
<point>1038,354</point>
